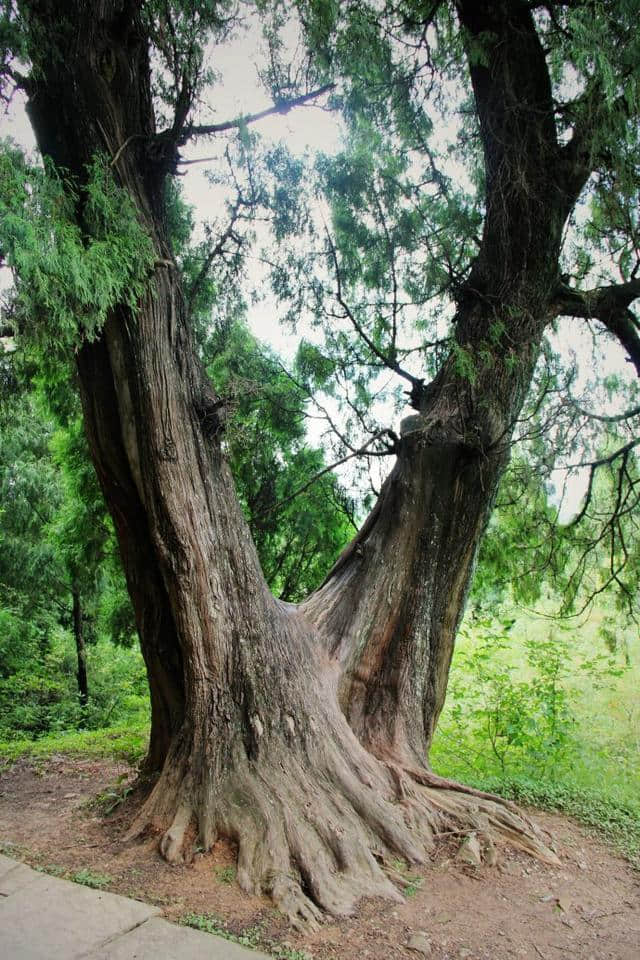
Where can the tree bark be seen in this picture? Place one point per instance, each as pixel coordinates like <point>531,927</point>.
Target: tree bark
<point>81,650</point>
<point>301,733</point>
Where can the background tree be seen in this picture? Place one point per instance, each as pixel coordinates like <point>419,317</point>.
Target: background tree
<point>316,782</point>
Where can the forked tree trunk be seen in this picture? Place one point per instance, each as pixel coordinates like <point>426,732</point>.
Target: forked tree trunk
<point>302,732</point>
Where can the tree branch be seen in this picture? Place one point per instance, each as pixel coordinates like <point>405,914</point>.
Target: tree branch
<point>580,156</point>
<point>609,305</point>
<point>416,382</point>
<point>612,418</point>
<point>332,466</point>
<point>215,251</point>
<point>280,106</point>
<point>594,465</point>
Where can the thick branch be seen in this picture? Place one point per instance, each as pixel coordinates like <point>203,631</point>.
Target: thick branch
<point>280,106</point>
<point>586,149</point>
<point>609,305</point>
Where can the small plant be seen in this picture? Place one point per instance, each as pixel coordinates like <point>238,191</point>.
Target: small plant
<point>251,937</point>
<point>111,798</point>
<point>288,953</point>
<point>51,869</point>
<point>410,884</point>
<point>209,923</point>
<point>413,885</point>
<point>87,878</point>
<point>226,874</point>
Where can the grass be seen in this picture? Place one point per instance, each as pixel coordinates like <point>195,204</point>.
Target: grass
<point>127,743</point>
<point>87,878</point>
<point>251,937</point>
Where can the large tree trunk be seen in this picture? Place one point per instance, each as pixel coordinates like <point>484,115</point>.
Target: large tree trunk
<point>301,733</point>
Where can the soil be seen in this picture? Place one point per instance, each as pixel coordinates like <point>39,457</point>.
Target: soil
<point>56,815</point>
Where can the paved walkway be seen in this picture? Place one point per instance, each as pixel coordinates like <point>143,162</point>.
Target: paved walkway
<point>44,918</point>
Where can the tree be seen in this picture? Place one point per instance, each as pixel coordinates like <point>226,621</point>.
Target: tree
<point>56,537</point>
<point>302,731</point>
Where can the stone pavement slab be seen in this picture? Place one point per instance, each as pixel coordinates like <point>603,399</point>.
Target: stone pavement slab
<point>158,940</point>
<point>13,880</point>
<point>6,864</point>
<point>52,919</point>
<point>44,918</point>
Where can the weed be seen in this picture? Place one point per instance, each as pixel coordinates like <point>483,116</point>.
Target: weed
<point>226,874</point>
<point>251,937</point>
<point>51,869</point>
<point>413,885</point>
<point>90,879</point>
<point>287,953</point>
<point>111,798</point>
<point>13,850</point>
<point>210,923</point>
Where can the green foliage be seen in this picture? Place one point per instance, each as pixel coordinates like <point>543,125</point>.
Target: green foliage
<point>126,742</point>
<point>89,878</point>
<point>251,937</point>
<point>525,721</point>
<point>535,714</point>
<point>297,539</point>
<point>56,539</point>
<point>68,278</point>
<point>41,697</point>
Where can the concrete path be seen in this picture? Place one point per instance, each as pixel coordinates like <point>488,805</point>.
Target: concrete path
<point>44,918</point>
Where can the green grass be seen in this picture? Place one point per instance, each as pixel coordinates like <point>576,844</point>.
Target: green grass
<point>87,878</point>
<point>251,937</point>
<point>119,743</point>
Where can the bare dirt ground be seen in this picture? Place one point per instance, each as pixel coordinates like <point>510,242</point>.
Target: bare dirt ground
<point>588,908</point>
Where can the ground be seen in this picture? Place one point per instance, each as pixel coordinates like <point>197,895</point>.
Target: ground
<point>56,814</point>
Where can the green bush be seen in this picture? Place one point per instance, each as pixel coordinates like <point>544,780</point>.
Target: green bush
<point>536,713</point>
<point>41,697</point>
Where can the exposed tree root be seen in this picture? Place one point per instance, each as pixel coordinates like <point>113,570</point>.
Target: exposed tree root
<point>316,822</point>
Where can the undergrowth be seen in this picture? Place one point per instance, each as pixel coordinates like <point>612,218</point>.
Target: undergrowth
<point>251,937</point>
<point>119,743</point>
<point>538,714</point>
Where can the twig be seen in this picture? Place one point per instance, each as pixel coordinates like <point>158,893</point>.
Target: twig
<point>356,453</point>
